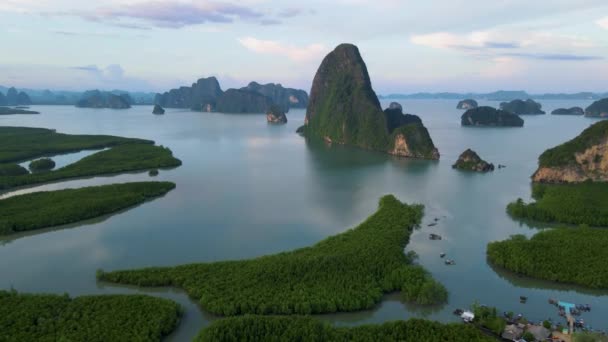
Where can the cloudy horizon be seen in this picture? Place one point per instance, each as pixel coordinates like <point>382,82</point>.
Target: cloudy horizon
<point>435,46</point>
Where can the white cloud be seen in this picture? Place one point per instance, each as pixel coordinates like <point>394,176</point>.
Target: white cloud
<point>298,54</point>
<point>603,23</point>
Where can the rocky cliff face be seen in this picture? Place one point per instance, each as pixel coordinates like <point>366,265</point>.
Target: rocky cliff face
<point>285,98</point>
<point>343,108</point>
<point>582,159</point>
<point>467,104</point>
<point>569,111</point>
<point>469,160</point>
<point>488,116</point>
<point>598,109</point>
<point>521,107</point>
<point>276,115</point>
<point>98,99</point>
<point>242,101</point>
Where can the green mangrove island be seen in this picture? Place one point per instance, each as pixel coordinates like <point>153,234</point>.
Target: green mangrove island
<point>52,208</point>
<point>12,111</point>
<point>583,203</point>
<point>22,143</point>
<point>43,164</point>
<point>47,317</point>
<point>565,255</point>
<point>122,158</point>
<point>346,272</point>
<point>300,328</point>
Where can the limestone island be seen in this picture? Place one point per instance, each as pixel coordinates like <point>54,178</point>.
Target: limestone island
<point>569,111</point>
<point>469,160</point>
<point>344,109</point>
<point>598,109</point>
<point>11,111</point>
<point>206,95</point>
<point>488,116</point>
<point>15,98</point>
<point>584,158</point>
<point>98,99</point>
<point>158,110</point>
<point>521,107</point>
<point>276,115</point>
<point>467,104</point>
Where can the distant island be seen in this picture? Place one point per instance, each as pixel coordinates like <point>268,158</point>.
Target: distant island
<point>598,109</point>
<point>206,95</point>
<point>98,99</point>
<point>488,116</point>
<point>344,109</point>
<point>69,98</point>
<point>521,107</point>
<point>467,104</point>
<point>14,98</point>
<point>501,95</point>
<point>569,111</point>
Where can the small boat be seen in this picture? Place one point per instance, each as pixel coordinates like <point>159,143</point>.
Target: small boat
<point>442,255</point>
<point>458,312</point>
<point>436,219</point>
<point>431,224</point>
<point>434,237</point>
<point>450,262</point>
<point>523,299</point>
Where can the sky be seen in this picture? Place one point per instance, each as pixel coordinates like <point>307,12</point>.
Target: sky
<point>409,46</point>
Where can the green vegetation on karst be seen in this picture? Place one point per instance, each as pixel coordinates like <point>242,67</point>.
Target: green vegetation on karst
<point>299,328</point>
<point>582,203</point>
<point>565,255</point>
<point>47,317</point>
<point>346,272</point>
<point>52,208</point>
<point>565,154</point>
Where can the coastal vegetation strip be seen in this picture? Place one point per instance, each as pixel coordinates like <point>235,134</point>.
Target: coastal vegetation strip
<point>48,317</point>
<point>122,158</point>
<point>565,255</point>
<point>21,143</point>
<point>52,208</point>
<point>346,272</point>
<point>582,203</point>
<point>300,328</point>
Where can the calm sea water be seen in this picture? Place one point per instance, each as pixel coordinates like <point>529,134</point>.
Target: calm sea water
<point>247,189</point>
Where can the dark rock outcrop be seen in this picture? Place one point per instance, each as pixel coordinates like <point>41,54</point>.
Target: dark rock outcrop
<point>158,110</point>
<point>569,111</point>
<point>396,106</point>
<point>488,116</point>
<point>598,109</point>
<point>98,99</point>
<point>467,104</point>
<point>285,98</point>
<point>243,101</point>
<point>276,115</point>
<point>395,117</point>
<point>343,108</point>
<point>521,107</point>
<point>11,97</point>
<point>3,100</point>
<point>469,160</point>
<point>301,129</point>
<point>584,158</point>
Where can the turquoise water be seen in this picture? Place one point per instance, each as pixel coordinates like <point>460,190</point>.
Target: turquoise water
<point>247,188</point>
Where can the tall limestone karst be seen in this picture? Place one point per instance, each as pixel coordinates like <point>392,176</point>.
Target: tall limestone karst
<point>343,108</point>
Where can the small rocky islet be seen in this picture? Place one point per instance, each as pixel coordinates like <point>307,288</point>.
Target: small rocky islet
<point>521,107</point>
<point>276,115</point>
<point>569,111</point>
<point>489,116</point>
<point>467,104</point>
<point>158,110</point>
<point>469,160</point>
<point>102,99</point>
